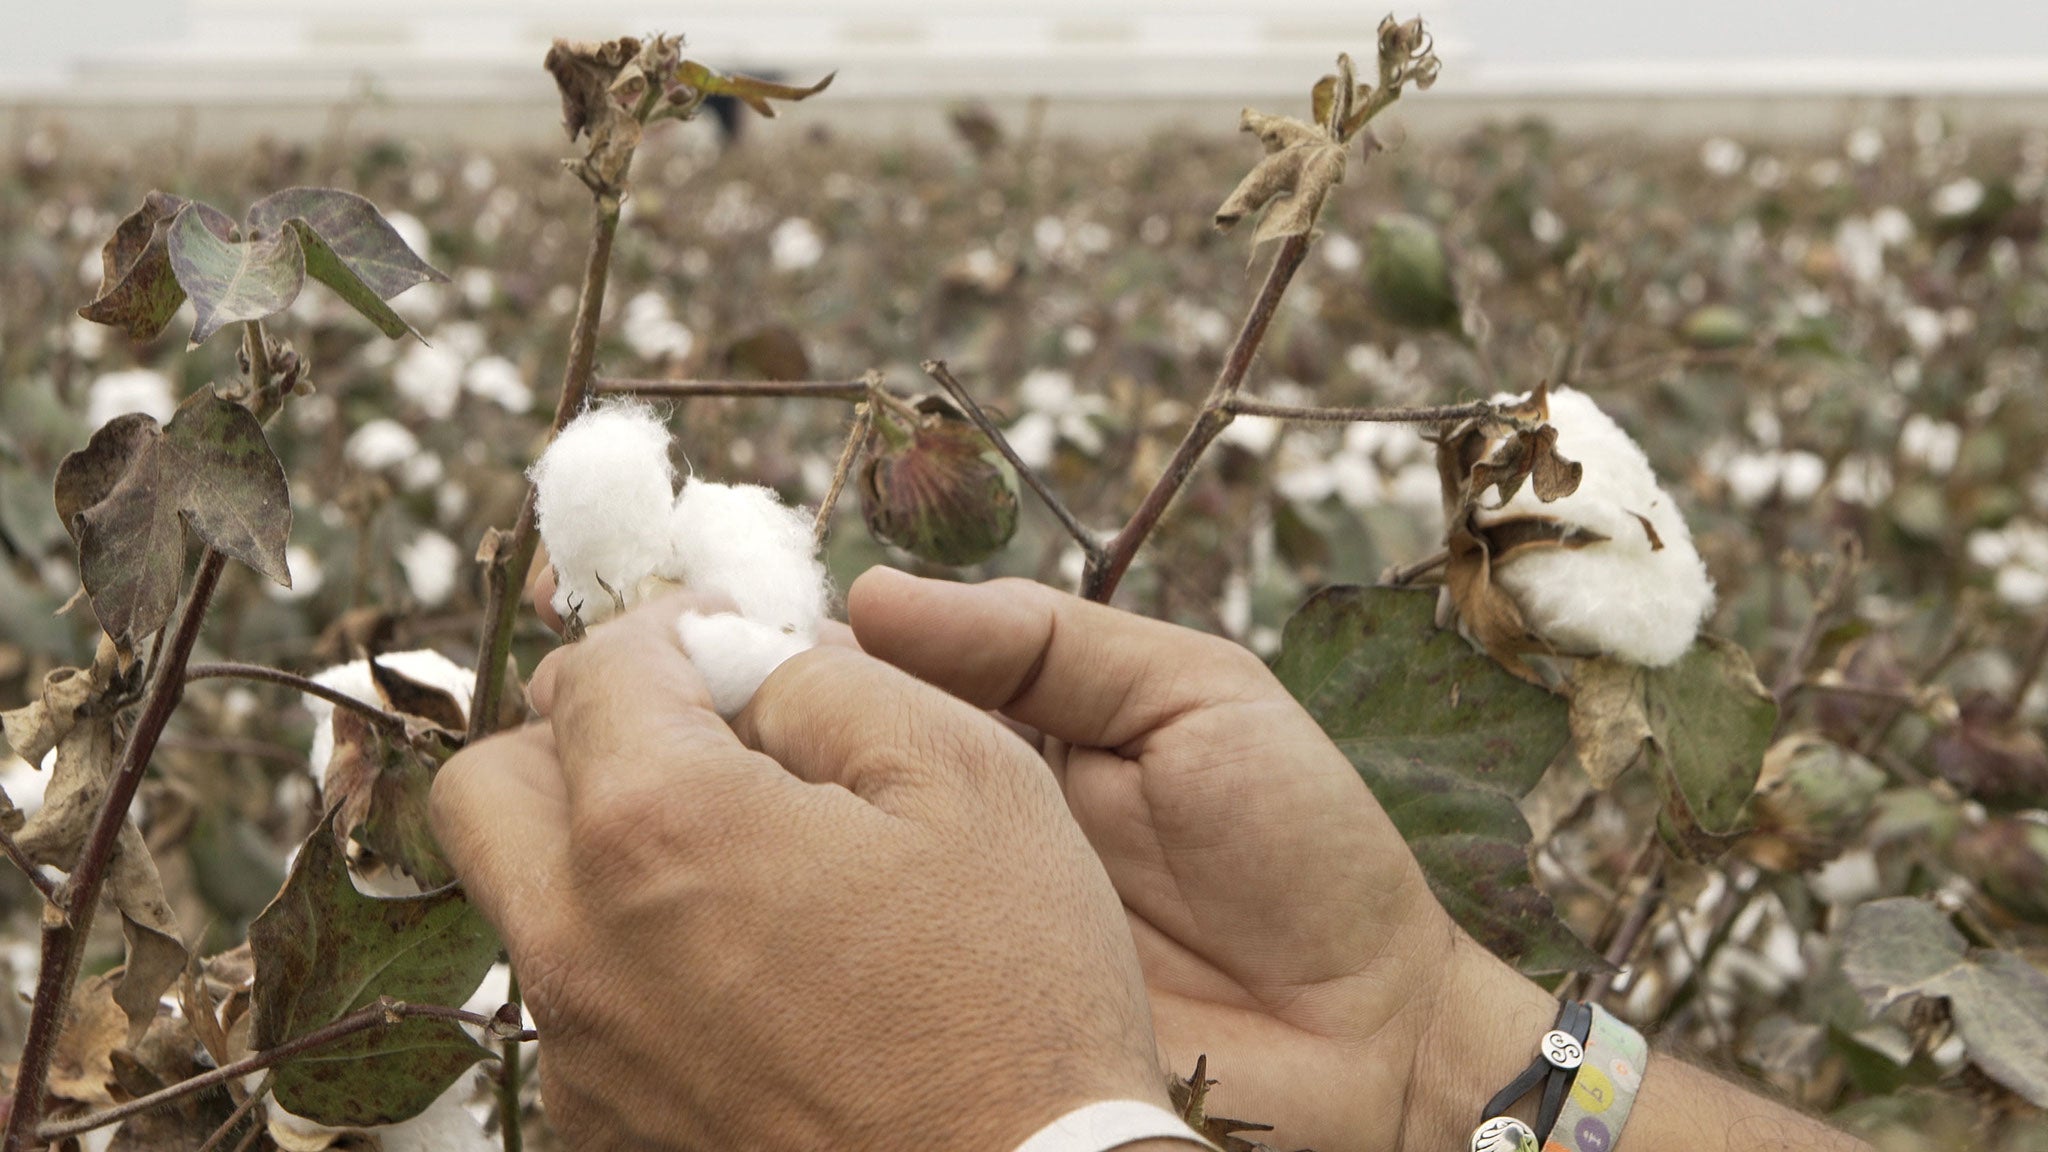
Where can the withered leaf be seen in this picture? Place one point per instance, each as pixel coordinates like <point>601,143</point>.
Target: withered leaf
<point>209,469</point>
<point>1489,615</point>
<point>751,91</point>
<point>1610,724</point>
<point>1302,164</point>
<point>583,73</point>
<point>323,950</point>
<point>82,1064</point>
<point>1991,757</point>
<point>139,293</point>
<point>1512,537</point>
<point>377,786</point>
<point>87,746</point>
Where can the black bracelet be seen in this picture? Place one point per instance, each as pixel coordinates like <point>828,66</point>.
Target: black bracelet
<point>1555,1067</point>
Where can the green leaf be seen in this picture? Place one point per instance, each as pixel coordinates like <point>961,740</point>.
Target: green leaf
<point>753,92</point>
<point>138,291</point>
<point>1892,949</point>
<point>1712,720</point>
<point>1448,742</point>
<point>349,246</point>
<point>233,280</point>
<point>129,494</point>
<point>323,950</point>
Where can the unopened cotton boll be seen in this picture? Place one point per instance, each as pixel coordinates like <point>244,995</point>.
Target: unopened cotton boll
<point>736,654</point>
<point>1641,593</point>
<point>742,542</point>
<point>603,492</point>
<point>353,679</point>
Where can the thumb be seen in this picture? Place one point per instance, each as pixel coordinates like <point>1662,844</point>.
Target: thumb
<point>833,715</point>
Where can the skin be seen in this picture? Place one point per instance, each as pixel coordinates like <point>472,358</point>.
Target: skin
<point>869,909</point>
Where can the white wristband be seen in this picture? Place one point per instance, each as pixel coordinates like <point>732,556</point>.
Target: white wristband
<point>1108,1124</point>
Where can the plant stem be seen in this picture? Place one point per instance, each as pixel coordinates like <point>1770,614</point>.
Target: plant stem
<point>853,392</point>
<point>30,869</point>
<point>248,1103</point>
<point>64,936</point>
<point>385,1013</point>
<point>509,1120</point>
<point>2030,671</point>
<point>863,419</point>
<point>1091,545</point>
<point>227,670</point>
<point>1430,414</point>
<point>506,578</point>
<point>1624,943</point>
<point>1099,580</point>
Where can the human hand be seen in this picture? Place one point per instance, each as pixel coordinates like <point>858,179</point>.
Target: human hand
<point>1284,927</point>
<point>865,920</point>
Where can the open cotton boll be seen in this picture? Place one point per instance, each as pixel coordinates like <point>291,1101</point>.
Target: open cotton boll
<point>1641,593</point>
<point>445,1126</point>
<point>741,541</point>
<point>735,654</point>
<point>353,679</point>
<point>604,490</point>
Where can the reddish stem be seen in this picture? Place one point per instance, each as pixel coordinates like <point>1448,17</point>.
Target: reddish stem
<point>1099,582</point>
<point>64,935</point>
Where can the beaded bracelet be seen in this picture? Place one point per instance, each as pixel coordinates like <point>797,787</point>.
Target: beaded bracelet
<point>1555,1067</point>
<point>1605,1089</point>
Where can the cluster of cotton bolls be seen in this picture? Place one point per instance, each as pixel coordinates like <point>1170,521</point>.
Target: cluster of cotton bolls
<point>618,531</point>
<point>1055,413</point>
<point>1641,593</point>
<point>2017,555</point>
<point>1754,475</point>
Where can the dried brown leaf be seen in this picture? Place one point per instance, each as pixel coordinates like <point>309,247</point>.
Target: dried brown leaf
<point>1489,615</point>
<point>1610,721</point>
<point>82,1064</point>
<point>87,745</point>
<point>1302,164</point>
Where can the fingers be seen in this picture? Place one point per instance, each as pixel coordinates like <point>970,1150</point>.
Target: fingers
<point>500,812</point>
<point>1077,671</point>
<point>834,715</point>
<point>631,715</point>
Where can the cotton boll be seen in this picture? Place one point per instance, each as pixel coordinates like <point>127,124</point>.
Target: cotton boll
<point>380,444</point>
<point>432,563</point>
<point>430,377</point>
<point>353,679</point>
<point>604,489</point>
<point>736,654</point>
<point>740,541</point>
<point>1625,596</point>
<point>136,390</point>
<point>497,379</point>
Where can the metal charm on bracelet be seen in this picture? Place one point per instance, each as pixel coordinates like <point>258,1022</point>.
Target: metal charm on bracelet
<point>1561,1052</point>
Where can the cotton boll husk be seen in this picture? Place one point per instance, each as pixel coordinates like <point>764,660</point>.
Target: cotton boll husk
<point>740,541</point>
<point>604,489</point>
<point>353,679</point>
<point>1622,596</point>
<point>735,654</point>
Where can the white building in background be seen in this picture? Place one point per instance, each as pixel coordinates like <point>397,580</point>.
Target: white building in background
<point>1683,65</point>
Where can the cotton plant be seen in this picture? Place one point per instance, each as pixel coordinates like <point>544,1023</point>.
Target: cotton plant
<point>1562,541</point>
<point>619,531</point>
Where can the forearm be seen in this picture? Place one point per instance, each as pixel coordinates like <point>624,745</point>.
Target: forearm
<point>1487,1032</point>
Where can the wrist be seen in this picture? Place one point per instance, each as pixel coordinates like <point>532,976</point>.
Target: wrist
<point>1483,1028</point>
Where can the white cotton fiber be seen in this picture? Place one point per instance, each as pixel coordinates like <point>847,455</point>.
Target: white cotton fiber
<point>1625,596</point>
<point>735,654</point>
<point>606,509</point>
<point>739,540</point>
<point>604,490</point>
<point>353,679</point>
